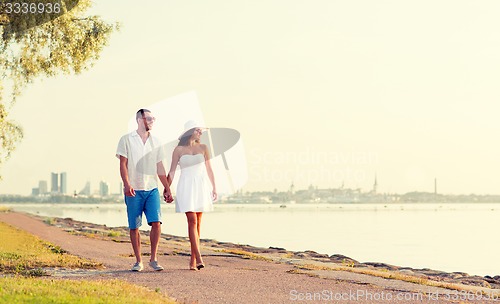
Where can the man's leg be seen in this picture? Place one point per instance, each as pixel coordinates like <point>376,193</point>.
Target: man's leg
<point>134,214</point>
<point>154,237</point>
<point>135,239</point>
<point>153,215</point>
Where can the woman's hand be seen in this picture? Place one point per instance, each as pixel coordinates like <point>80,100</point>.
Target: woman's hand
<point>167,195</point>
<point>214,196</point>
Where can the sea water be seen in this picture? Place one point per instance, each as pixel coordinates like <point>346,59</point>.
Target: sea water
<point>447,237</point>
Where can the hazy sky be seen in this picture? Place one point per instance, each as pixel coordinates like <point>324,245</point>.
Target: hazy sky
<point>323,92</point>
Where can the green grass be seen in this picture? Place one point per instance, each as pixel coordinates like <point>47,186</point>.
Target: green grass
<point>4,209</point>
<point>23,253</point>
<point>114,233</point>
<point>50,221</point>
<point>35,290</point>
<point>245,254</point>
<point>386,274</point>
<point>22,257</point>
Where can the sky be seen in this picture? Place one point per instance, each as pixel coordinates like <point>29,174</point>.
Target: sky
<point>324,93</point>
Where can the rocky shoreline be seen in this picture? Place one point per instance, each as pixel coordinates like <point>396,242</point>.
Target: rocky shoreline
<point>310,260</point>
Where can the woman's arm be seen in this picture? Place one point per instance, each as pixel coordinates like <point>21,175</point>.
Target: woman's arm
<point>210,172</point>
<point>167,194</point>
<point>173,165</point>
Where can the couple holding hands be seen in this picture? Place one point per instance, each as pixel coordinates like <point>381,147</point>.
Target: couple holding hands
<point>141,156</point>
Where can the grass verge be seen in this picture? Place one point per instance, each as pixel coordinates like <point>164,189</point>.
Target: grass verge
<point>4,209</point>
<point>23,253</point>
<point>35,290</point>
<point>23,256</point>
<point>401,277</point>
<point>245,254</point>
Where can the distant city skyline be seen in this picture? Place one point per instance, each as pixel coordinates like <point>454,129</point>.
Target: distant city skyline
<point>322,92</point>
<point>59,182</point>
<point>105,188</point>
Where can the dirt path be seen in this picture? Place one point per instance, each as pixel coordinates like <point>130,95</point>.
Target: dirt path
<point>228,278</point>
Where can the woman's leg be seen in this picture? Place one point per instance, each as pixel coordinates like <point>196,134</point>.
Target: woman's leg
<point>200,263</point>
<point>198,223</point>
<point>194,239</point>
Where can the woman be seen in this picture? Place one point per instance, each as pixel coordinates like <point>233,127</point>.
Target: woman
<point>193,195</point>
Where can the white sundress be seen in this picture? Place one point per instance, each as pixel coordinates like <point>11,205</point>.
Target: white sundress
<point>194,191</point>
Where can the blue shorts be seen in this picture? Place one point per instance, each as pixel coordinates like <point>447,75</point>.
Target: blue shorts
<point>143,201</point>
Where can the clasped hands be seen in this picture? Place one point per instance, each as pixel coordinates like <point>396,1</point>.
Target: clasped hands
<point>167,195</point>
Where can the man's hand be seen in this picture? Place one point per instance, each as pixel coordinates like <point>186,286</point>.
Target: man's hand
<point>128,190</point>
<point>167,195</point>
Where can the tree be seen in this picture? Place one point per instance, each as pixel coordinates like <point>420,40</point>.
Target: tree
<point>43,41</point>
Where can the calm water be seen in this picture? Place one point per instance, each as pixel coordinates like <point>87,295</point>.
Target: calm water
<point>448,237</point>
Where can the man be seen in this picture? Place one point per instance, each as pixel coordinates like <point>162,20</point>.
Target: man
<point>141,156</point>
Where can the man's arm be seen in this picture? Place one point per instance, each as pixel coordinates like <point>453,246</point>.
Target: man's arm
<point>127,188</point>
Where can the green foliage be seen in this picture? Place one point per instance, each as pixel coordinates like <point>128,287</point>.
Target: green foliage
<point>348,263</point>
<point>55,249</point>
<point>10,133</point>
<point>114,233</point>
<point>19,15</point>
<point>49,221</point>
<point>37,45</point>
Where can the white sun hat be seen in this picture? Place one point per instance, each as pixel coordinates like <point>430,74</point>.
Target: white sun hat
<point>191,124</point>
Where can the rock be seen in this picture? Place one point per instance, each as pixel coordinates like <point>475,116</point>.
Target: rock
<point>474,281</point>
<point>362,266</point>
<point>382,265</point>
<point>491,280</point>
<point>278,248</point>
<point>455,275</point>
<point>406,271</point>
<point>339,258</point>
<point>434,273</point>
<point>314,254</point>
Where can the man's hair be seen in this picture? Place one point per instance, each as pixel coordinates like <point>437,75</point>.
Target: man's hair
<point>140,113</point>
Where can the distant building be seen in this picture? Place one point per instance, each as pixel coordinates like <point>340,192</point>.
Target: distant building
<point>85,190</point>
<point>35,191</point>
<point>42,186</point>
<point>63,183</point>
<point>54,182</point>
<point>103,188</point>
<point>375,185</point>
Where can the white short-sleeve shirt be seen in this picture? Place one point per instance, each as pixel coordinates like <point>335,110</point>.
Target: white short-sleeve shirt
<point>142,159</point>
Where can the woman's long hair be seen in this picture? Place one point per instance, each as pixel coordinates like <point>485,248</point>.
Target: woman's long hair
<point>184,141</point>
